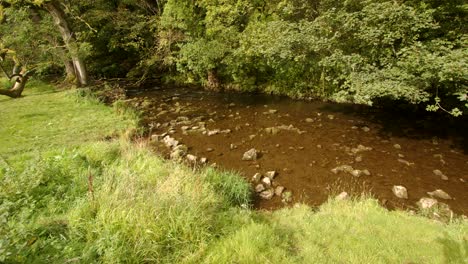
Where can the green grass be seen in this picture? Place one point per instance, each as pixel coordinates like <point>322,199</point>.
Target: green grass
<point>73,198</point>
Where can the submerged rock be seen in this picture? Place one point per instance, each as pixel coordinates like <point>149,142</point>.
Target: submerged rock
<point>400,191</point>
<point>440,174</point>
<point>440,194</point>
<point>250,155</point>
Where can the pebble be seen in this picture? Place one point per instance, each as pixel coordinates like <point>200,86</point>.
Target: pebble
<point>342,196</point>
<point>397,146</point>
<point>271,174</point>
<point>266,181</point>
<point>192,158</point>
<point>259,188</point>
<point>267,195</point>
<point>365,129</point>
<point>309,120</point>
<point>257,177</point>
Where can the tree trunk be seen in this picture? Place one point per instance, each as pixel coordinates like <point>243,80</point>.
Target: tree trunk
<point>18,86</point>
<point>53,7</point>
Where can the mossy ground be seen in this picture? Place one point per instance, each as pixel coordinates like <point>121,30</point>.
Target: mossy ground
<point>66,195</point>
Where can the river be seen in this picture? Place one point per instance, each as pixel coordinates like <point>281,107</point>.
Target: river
<point>317,149</point>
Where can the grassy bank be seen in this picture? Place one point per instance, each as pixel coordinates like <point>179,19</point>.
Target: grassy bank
<point>67,195</point>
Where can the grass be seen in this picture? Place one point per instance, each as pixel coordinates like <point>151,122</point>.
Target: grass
<point>72,197</point>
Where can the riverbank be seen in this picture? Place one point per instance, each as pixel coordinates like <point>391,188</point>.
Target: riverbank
<point>74,189</point>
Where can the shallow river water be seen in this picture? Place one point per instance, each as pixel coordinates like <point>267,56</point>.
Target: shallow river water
<point>317,149</point>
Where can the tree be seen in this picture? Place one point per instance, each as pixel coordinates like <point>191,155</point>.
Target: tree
<point>55,10</point>
<point>19,75</point>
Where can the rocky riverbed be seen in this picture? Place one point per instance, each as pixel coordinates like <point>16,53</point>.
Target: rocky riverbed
<point>298,151</point>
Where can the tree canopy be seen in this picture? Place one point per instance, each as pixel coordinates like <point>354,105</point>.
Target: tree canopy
<point>346,51</point>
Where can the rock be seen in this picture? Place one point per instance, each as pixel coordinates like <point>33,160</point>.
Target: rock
<point>191,158</point>
<point>342,196</point>
<point>407,163</point>
<point>271,174</point>
<point>365,129</point>
<point>272,111</point>
<point>331,117</point>
<point>343,168</point>
<point>356,173</point>
<point>203,160</point>
<point>213,132</point>
<point>360,148</point>
<point>266,181</point>
<point>250,155</point>
<point>440,194</point>
<point>397,146</point>
<point>440,174</point>
<point>400,192</point>
<point>286,197</point>
<point>155,137</point>
<point>232,147</point>
<point>251,137</point>
<point>426,203</point>
<point>259,188</point>
<point>309,120</point>
<point>170,142</point>
<point>279,190</point>
<point>225,131</point>
<point>209,150</point>
<point>257,177</point>
<point>267,194</point>
<point>319,146</point>
<point>354,127</point>
<point>358,159</point>
<point>272,130</point>
<point>366,172</point>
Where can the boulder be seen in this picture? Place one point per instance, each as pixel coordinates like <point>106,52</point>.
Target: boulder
<point>400,192</point>
<point>250,155</point>
<point>427,203</point>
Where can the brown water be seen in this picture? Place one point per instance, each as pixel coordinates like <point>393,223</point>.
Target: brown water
<point>319,138</point>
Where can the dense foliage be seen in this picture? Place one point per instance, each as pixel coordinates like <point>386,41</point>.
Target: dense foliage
<point>348,51</point>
